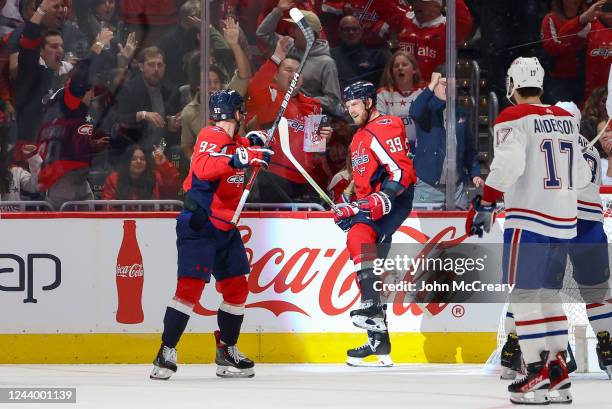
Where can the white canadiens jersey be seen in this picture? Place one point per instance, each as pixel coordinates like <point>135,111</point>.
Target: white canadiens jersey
<point>397,103</point>
<point>589,200</point>
<point>538,164</point>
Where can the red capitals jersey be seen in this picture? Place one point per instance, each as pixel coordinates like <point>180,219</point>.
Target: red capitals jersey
<point>564,50</point>
<point>599,51</point>
<point>427,41</point>
<point>379,153</point>
<point>375,26</point>
<point>212,182</point>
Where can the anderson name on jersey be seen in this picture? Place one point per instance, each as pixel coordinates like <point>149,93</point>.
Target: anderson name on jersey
<point>538,164</point>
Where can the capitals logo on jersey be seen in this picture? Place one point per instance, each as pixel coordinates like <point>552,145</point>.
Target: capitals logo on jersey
<point>358,159</point>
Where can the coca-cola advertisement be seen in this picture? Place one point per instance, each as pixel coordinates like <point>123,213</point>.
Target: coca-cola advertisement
<point>130,277</point>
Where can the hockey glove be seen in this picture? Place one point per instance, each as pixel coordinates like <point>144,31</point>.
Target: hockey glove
<point>375,206</point>
<point>257,138</point>
<point>344,214</point>
<point>480,218</point>
<point>251,157</point>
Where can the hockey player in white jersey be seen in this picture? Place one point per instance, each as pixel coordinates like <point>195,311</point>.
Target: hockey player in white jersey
<point>537,169</point>
<point>591,269</point>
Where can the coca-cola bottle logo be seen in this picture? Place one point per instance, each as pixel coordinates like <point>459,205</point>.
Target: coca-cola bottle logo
<point>134,270</point>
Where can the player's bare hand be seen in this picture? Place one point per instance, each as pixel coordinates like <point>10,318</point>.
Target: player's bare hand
<point>326,132</point>
<point>231,31</point>
<point>592,12</point>
<point>435,80</point>
<point>127,51</point>
<point>156,119</point>
<point>285,5</point>
<point>478,181</point>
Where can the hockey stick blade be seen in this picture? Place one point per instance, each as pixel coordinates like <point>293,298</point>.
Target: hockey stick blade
<point>298,17</point>
<point>283,131</point>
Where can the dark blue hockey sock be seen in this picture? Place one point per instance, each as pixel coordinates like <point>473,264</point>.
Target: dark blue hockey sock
<point>175,323</point>
<point>229,326</point>
<point>367,279</point>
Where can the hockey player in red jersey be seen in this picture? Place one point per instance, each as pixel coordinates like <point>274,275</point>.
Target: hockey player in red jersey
<point>384,186</point>
<point>207,242</point>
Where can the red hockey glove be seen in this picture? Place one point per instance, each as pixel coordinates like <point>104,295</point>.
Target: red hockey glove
<point>375,206</point>
<point>344,213</point>
<point>480,218</point>
<point>257,138</point>
<point>251,157</point>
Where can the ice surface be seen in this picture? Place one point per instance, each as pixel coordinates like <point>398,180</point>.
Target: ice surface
<point>285,386</point>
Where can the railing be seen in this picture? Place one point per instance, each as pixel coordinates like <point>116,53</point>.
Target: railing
<point>25,205</point>
<point>283,206</point>
<point>122,205</point>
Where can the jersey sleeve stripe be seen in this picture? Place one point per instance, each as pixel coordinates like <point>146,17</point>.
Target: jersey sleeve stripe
<point>392,167</point>
<point>515,210</point>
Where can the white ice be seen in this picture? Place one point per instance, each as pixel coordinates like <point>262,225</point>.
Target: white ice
<point>286,386</point>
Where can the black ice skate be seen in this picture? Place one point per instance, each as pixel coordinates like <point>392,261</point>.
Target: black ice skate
<point>604,352</point>
<point>532,389</point>
<point>370,316</point>
<point>559,389</point>
<point>511,357</point>
<point>378,345</point>
<point>165,363</point>
<point>230,362</point>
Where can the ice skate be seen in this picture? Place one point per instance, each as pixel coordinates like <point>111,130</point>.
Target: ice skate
<point>378,345</point>
<point>165,363</point>
<point>532,389</point>
<point>604,352</point>
<point>560,384</point>
<point>370,316</point>
<point>230,362</point>
<point>511,358</point>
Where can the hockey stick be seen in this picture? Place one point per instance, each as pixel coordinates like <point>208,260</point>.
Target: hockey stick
<point>298,18</point>
<point>283,132</point>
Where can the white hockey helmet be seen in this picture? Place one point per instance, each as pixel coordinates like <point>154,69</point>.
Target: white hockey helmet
<point>525,72</point>
<point>572,108</point>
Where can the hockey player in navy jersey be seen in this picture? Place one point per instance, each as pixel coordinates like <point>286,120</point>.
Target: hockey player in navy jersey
<point>537,169</point>
<point>207,242</point>
<point>384,186</point>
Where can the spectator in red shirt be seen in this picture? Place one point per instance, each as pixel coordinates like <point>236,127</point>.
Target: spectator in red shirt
<point>594,25</point>
<point>282,182</point>
<point>422,33</point>
<point>565,79</point>
<point>142,176</point>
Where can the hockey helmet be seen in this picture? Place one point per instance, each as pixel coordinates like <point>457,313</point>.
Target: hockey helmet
<point>224,104</point>
<point>525,72</point>
<point>570,107</point>
<point>359,90</point>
